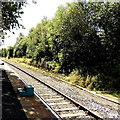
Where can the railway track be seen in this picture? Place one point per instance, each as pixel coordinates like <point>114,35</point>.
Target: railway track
<point>62,106</point>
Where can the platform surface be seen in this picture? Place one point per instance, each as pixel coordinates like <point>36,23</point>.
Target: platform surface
<point>15,107</point>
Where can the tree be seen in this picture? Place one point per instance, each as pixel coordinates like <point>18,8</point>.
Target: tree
<point>82,36</point>
<point>10,51</point>
<point>105,19</point>
<point>74,38</point>
<point>11,12</point>
<point>20,46</point>
<point>3,52</point>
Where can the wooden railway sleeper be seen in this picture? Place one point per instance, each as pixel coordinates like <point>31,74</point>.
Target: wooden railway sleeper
<point>72,101</point>
<point>66,109</point>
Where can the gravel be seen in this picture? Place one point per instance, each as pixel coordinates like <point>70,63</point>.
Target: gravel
<point>105,108</point>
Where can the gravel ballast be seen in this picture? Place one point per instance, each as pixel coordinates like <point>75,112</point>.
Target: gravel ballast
<point>105,108</point>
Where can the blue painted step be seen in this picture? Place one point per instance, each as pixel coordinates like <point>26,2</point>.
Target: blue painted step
<point>28,90</point>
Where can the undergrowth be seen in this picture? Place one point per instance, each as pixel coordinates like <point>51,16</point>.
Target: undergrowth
<point>89,82</point>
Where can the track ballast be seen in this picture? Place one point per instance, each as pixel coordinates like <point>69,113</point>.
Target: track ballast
<point>64,106</point>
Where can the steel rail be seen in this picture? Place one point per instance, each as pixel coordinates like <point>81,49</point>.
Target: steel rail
<point>42,100</point>
<point>89,112</point>
<point>91,92</point>
<point>38,96</point>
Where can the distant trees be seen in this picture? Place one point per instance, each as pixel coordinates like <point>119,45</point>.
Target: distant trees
<point>10,52</point>
<point>7,52</point>
<point>20,46</point>
<point>81,36</point>
<point>3,52</point>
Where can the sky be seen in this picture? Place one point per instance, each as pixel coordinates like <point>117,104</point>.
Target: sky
<point>33,14</point>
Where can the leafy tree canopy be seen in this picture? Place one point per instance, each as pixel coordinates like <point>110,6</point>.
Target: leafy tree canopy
<point>11,12</point>
<point>81,36</point>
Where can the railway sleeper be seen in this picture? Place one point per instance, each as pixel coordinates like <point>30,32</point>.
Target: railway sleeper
<point>45,94</point>
<point>49,96</point>
<point>54,99</point>
<point>72,115</point>
<point>61,103</point>
<point>66,109</point>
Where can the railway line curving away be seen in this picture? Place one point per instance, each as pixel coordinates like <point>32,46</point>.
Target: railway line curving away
<point>99,106</point>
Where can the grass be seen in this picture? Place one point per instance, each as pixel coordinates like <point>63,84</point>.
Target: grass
<point>73,77</point>
<point>115,95</point>
<point>41,70</point>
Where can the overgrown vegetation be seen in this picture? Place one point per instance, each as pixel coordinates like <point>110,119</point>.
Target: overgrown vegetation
<point>73,78</point>
<point>82,41</point>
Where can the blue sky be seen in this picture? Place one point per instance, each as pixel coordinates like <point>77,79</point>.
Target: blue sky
<point>33,14</point>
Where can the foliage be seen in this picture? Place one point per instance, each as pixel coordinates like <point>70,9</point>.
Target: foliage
<point>10,52</point>
<point>11,11</point>
<point>3,52</point>
<point>82,37</point>
<point>20,46</point>
<point>10,14</point>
